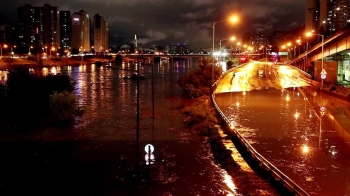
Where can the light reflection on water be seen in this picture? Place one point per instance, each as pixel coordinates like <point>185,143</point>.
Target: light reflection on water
<point>110,103</point>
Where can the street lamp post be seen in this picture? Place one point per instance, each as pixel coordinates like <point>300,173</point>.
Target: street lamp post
<point>307,47</point>
<point>5,46</point>
<point>232,38</point>
<point>29,50</point>
<point>220,44</point>
<point>264,52</point>
<point>46,53</point>
<point>52,49</point>
<point>289,53</point>
<point>234,19</point>
<point>309,34</point>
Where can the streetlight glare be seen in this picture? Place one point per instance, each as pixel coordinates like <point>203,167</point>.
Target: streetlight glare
<point>308,34</point>
<point>234,19</point>
<point>305,149</point>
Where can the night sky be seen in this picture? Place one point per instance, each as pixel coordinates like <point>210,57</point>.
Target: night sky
<point>162,22</point>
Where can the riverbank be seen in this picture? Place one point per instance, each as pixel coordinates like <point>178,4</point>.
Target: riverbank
<point>7,63</point>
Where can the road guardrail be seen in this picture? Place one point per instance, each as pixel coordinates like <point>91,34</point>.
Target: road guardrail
<point>274,171</point>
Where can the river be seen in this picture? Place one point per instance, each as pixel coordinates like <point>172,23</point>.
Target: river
<point>97,154</point>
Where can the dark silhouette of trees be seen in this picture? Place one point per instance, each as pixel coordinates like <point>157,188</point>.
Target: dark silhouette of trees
<point>198,82</point>
<point>26,98</point>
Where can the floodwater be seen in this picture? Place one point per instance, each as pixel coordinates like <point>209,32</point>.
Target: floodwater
<point>286,127</point>
<point>99,154</point>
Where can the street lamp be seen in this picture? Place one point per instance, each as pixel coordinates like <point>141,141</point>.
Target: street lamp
<point>233,19</point>
<point>309,34</point>
<point>52,49</point>
<point>264,52</point>
<point>29,50</point>
<point>46,53</point>
<point>12,50</point>
<point>232,38</point>
<point>289,53</point>
<point>307,47</point>
<point>5,46</point>
<point>82,54</point>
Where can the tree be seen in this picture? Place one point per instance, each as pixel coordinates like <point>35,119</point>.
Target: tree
<point>198,82</point>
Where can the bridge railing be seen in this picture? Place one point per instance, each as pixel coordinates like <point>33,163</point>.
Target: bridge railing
<point>275,172</point>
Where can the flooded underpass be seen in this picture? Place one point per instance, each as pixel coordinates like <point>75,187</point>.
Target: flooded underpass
<point>288,128</point>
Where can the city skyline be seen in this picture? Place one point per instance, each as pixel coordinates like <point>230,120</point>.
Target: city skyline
<point>185,22</point>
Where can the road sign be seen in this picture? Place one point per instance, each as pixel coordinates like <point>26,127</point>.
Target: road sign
<point>323,76</point>
<point>323,72</point>
<point>149,148</point>
<point>149,157</point>
<point>322,109</point>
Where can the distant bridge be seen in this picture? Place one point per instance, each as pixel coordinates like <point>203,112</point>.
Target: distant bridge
<point>186,55</point>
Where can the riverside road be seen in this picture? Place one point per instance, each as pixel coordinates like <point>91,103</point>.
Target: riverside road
<point>294,125</point>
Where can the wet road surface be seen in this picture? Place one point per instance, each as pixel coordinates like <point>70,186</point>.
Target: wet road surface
<point>280,117</point>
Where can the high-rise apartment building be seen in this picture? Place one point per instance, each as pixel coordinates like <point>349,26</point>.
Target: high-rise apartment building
<point>100,34</point>
<point>327,17</point>
<point>65,30</point>
<point>81,31</point>
<point>38,26</point>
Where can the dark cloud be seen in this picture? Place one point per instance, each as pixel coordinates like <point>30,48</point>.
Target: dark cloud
<point>159,22</point>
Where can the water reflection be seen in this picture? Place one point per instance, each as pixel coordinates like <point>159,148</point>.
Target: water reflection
<point>101,145</point>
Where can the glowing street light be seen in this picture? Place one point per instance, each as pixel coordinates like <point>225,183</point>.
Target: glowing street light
<point>233,19</point>
<point>52,49</point>
<point>12,50</point>
<point>5,46</point>
<point>232,39</point>
<point>29,50</point>
<point>46,53</point>
<point>309,34</point>
<point>307,47</point>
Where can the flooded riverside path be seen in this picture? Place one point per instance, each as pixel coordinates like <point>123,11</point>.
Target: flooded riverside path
<point>97,155</point>
<point>287,128</point>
